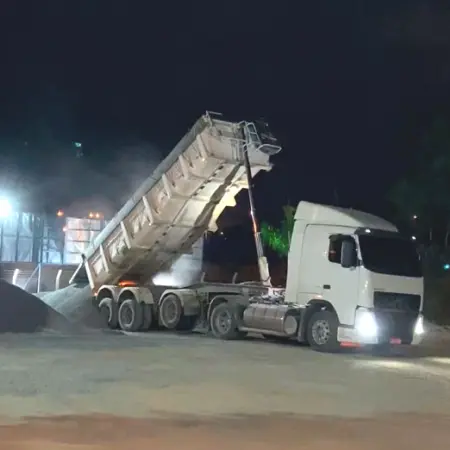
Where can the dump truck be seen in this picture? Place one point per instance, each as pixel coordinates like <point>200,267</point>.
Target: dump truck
<point>352,278</point>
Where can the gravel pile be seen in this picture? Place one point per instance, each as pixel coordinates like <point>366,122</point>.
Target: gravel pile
<point>436,335</point>
<point>21,312</point>
<point>74,302</point>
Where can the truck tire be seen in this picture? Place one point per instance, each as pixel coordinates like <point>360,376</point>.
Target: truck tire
<point>147,320</point>
<point>110,311</point>
<point>223,322</point>
<point>170,312</point>
<point>322,332</point>
<point>130,315</point>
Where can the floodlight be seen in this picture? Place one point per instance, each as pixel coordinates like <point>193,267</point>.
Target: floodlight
<point>5,207</point>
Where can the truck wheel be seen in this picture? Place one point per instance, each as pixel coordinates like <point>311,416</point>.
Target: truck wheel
<point>109,310</point>
<point>170,312</point>
<point>130,315</point>
<point>223,322</point>
<point>147,320</point>
<point>322,332</point>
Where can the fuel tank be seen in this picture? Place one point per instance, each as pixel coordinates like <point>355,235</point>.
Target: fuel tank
<point>279,318</point>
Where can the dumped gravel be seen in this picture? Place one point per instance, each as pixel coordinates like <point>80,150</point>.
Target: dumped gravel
<point>74,302</point>
<point>21,312</point>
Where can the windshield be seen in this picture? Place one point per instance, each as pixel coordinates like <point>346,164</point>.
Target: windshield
<point>392,255</point>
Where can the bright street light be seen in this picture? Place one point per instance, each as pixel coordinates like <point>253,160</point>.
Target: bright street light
<point>5,207</point>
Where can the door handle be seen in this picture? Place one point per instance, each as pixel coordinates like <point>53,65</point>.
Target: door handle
<point>326,286</point>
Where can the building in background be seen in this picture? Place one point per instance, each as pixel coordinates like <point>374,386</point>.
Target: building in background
<point>39,238</point>
<point>40,252</point>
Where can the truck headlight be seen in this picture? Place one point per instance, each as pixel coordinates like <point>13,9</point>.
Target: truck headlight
<point>419,329</point>
<point>366,324</point>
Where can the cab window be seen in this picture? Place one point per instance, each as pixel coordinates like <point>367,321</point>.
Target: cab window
<point>335,247</point>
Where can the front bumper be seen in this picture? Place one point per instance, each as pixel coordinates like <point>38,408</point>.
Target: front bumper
<point>382,327</point>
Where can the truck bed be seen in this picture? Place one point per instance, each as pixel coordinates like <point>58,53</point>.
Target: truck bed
<point>172,209</point>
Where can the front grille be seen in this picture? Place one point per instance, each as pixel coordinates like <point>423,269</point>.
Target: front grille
<point>409,303</point>
<point>396,315</point>
<point>398,325</point>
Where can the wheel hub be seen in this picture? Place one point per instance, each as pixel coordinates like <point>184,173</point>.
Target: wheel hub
<point>127,315</point>
<point>170,312</point>
<point>321,332</point>
<point>223,322</point>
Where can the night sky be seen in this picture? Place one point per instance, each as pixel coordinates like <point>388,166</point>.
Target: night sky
<point>346,86</point>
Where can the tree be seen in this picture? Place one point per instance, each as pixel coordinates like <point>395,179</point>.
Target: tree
<point>422,197</point>
<point>279,239</point>
<point>425,191</point>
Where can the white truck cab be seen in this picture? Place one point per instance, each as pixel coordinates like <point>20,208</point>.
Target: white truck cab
<point>358,268</point>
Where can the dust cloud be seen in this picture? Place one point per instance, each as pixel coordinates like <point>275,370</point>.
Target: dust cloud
<point>80,185</point>
<point>186,270</point>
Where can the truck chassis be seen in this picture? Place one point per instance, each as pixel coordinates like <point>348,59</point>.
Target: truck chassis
<point>226,310</point>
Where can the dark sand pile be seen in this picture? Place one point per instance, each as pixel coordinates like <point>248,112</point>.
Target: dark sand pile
<point>21,312</point>
<point>75,304</point>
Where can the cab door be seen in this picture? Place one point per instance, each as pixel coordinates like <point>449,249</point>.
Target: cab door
<point>341,278</point>
<point>320,275</point>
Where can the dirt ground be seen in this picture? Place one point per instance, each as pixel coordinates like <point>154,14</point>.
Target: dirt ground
<point>250,433</point>
<point>165,391</point>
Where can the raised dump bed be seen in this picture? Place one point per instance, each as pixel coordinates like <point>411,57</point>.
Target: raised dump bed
<point>182,199</point>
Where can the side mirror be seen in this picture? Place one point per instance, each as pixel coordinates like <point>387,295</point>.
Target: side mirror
<point>348,253</point>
